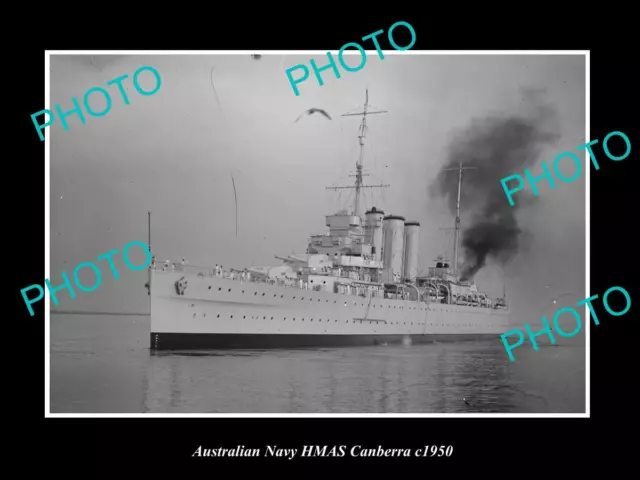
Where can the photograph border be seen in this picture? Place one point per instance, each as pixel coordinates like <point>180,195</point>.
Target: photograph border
<point>586,323</point>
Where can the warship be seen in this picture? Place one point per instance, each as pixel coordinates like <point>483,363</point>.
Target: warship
<point>357,284</point>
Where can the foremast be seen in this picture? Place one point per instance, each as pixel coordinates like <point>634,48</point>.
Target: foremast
<point>359,184</point>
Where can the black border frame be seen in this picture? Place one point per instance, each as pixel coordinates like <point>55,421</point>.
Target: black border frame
<point>483,446</point>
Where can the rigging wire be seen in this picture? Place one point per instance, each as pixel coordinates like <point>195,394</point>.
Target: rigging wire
<point>214,88</point>
<point>233,182</point>
<point>235,196</point>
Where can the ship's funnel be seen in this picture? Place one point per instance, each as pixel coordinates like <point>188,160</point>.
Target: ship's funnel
<point>411,235</point>
<point>393,233</point>
<point>373,231</point>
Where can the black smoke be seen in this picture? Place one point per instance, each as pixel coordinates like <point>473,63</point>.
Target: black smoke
<point>498,146</point>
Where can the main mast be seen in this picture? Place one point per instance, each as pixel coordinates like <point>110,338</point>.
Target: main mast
<point>456,228</point>
<point>359,165</point>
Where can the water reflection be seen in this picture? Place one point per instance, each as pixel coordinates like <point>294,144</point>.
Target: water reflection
<point>385,382</point>
<point>294,396</point>
<point>419,379</point>
<point>100,366</point>
<point>174,385</point>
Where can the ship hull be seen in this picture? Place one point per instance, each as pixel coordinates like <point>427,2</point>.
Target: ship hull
<point>220,313</point>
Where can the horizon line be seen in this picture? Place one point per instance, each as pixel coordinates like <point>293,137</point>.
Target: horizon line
<point>86,312</point>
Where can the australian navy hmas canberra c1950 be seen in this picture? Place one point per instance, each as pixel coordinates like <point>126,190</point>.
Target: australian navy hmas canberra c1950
<point>358,284</point>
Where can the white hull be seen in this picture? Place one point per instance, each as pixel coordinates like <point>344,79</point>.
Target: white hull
<point>235,314</point>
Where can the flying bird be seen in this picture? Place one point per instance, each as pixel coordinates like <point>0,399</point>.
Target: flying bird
<point>311,111</point>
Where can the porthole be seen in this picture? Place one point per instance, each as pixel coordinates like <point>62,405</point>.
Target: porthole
<point>264,318</point>
<point>255,293</point>
<point>219,289</point>
<point>244,316</point>
<point>230,316</point>
<point>218,316</point>
<point>229,290</point>
<point>271,318</point>
<point>302,298</point>
<point>242,291</point>
<point>209,287</point>
<point>263,294</point>
<point>274,295</point>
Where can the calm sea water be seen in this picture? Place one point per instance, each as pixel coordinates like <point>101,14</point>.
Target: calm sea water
<point>102,364</point>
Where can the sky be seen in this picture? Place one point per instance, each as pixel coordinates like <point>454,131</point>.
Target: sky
<point>175,152</point>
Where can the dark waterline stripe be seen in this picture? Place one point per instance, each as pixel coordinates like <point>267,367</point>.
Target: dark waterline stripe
<point>179,341</point>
